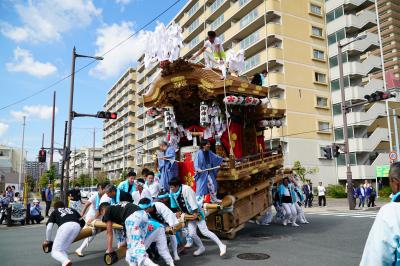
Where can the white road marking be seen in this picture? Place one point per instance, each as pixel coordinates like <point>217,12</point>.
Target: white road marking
<point>345,214</point>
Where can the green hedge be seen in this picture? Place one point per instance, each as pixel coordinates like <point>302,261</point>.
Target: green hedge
<point>385,192</point>
<point>336,191</point>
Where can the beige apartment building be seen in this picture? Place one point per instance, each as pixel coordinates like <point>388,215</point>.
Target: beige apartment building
<point>85,161</point>
<point>119,134</point>
<point>285,36</point>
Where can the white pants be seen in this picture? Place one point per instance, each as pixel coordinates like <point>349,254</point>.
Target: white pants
<point>158,236</point>
<point>89,239</point>
<point>212,63</point>
<point>300,213</point>
<point>174,244</point>
<point>66,234</point>
<point>290,212</point>
<point>192,225</point>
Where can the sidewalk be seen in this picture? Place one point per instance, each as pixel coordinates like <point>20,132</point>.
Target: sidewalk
<point>342,205</point>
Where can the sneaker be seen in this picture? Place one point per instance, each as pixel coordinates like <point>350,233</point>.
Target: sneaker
<point>222,250</point>
<point>199,251</point>
<point>295,225</point>
<point>176,257</point>
<point>79,253</point>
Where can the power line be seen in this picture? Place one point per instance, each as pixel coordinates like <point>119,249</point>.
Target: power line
<point>91,62</point>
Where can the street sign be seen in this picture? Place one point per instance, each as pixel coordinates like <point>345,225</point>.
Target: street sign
<point>382,171</point>
<point>393,155</point>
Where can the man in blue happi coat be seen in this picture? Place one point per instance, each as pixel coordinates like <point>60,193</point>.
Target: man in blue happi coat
<point>206,165</point>
<point>167,165</point>
<point>129,184</point>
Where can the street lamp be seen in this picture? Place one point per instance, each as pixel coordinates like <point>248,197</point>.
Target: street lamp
<point>70,114</point>
<point>350,197</point>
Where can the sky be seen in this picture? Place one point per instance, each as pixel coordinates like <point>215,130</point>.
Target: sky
<point>36,40</point>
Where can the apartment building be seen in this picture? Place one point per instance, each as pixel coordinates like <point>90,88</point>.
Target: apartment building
<point>82,161</point>
<point>119,134</point>
<point>367,125</point>
<point>35,169</point>
<point>389,17</point>
<point>288,38</point>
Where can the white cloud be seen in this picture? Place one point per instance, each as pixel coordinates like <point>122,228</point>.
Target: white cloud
<point>3,128</point>
<point>24,62</point>
<point>120,58</point>
<point>34,111</point>
<point>122,2</point>
<point>45,21</point>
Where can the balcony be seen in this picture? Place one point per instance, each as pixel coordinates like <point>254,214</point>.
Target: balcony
<point>357,92</point>
<point>362,118</point>
<point>349,4</point>
<point>140,112</point>
<point>275,57</point>
<point>354,23</point>
<point>371,64</point>
<point>370,143</point>
<point>362,46</point>
<point>278,103</point>
<point>275,79</point>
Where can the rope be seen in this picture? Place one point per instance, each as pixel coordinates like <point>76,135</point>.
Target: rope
<point>227,121</point>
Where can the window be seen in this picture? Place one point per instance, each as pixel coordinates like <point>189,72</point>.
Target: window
<point>193,9</point>
<point>194,42</point>
<point>319,77</point>
<point>214,6</point>
<point>336,36</point>
<point>243,2</point>
<point>249,40</point>
<point>339,133</point>
<point>316,31</point>
<point>337,109</point>
<point>322,102</point>
<point>341,160</point>
<point>334,14</point>
<point>322,152</point>
<point>333,61</point>
<point>194,25</point>
<point>336,86</point>
<point>217,22</point>
<point>318,54</point>
<point>250,17</point>
<point>251,62</point>
<point>323,126</point>
<point>315,9</point>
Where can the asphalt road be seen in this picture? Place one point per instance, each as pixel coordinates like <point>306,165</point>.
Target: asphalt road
<point>327,240</point>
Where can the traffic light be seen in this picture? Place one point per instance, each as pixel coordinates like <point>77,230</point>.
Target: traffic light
<point>328,152</point>
<point>379,96</point>
<point>335,150</point>
<point>106,115</point>
<point>67,155</point>
<point>42,156</point>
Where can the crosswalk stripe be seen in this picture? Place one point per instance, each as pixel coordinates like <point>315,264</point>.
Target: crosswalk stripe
<point>345,214</point>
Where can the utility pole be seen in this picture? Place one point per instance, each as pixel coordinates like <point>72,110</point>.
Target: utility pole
<point>22,155</point>
<point>378,26</point>
<point>123,148</point>
<point>52,130</point>
<point>70,110</point>
<point>94,153</point>
<point>63,198</point>
<point>349,176</point>
<point>396,133</point>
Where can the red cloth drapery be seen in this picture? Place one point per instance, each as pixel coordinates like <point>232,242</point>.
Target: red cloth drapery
<point>236,132</point>
<point>186,171</point>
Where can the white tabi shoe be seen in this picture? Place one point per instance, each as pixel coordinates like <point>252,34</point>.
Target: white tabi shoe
<point>199,251</point>
<point>284,222</point>
<point>79,253</point>
<point>222,250</point>
<point>295,225</point>
<point>176,257</point>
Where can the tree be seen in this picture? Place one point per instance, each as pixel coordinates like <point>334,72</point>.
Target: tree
<point>302,172</point>
<point>31,183</point>
<point>101,177</point>
<point>83,180</point>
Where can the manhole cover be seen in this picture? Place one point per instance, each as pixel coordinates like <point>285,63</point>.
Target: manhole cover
<point>253,256</point>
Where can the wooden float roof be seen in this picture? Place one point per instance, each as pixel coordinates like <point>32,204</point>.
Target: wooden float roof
<point>178,80</point>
